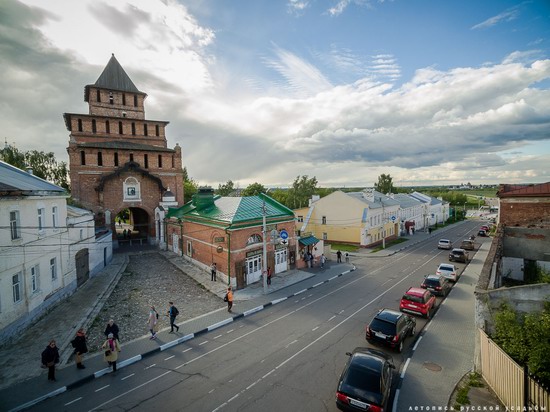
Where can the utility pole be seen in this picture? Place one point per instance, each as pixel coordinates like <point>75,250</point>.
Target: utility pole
<point>264,259</point>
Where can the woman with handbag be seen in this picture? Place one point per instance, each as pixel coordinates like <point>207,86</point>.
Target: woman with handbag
<point>111,348</point>
<point>50,356</point>
<point>80,348</point>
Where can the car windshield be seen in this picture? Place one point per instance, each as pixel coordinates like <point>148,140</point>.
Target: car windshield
<point>431,282</point>
<point>450,269</point>
<point>380,325</point>
<point>413,298</point>
<point>363,378</point>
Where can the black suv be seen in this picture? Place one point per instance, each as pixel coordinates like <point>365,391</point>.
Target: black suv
<point>365,383</point>
<point>459,255</point>
<point>390,328</point>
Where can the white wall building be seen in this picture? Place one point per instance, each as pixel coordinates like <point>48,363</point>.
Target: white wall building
<point>436,211</point>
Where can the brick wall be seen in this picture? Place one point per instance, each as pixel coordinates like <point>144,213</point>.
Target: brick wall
<point>525,211</point>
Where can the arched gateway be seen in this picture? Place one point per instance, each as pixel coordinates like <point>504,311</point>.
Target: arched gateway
<point>119,160</point>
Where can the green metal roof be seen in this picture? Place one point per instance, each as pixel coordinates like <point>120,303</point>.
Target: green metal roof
<point>234,211</point>
<point>310,240</point>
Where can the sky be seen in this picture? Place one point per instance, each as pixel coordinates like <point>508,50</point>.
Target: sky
<point>431,92</point>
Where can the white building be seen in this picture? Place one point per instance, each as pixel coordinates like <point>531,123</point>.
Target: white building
<point>46,249</point>
<point>411,213</point>
<point>436,211</point>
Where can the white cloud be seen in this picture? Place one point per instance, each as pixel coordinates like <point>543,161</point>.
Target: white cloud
<point>505,16</point>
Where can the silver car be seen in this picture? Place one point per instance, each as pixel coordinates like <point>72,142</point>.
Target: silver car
<point>444,244</point>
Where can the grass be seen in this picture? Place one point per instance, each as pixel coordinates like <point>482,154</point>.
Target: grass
<point>473,381</point>
<point>343,247</point>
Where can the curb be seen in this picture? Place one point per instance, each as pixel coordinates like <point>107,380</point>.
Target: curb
<point>168,345</point>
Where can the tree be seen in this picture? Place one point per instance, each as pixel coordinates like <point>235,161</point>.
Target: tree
<point>190,187</point>
<point>385,184</point>
<point>254,189</point>
<point>226,189</point>
<point>301,191</point>
<point>280,196</point>
<point>43,164</point>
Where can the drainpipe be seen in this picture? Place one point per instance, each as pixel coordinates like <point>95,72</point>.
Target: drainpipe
<point>181,235</point>
<point>228,257</point>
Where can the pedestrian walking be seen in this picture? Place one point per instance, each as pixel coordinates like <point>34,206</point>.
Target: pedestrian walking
<point>172,313</point>
<point>310,259</point>
<point>111,327</point>
<point>347,257</point>
<point>229,299</point>
<point>80,348</point>
<point>152,321</point>
<point>50,357</point>
<point>268,275</point>
<point>111,349</point>
<point>338,257</point>
<point>213,271</point>
<point>323,260</point>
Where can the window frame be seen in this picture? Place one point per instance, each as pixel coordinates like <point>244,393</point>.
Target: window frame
<point>53,268</point>
<point>41,218</point>
<point>35,278</point>
<point>15,225</point>
<point>16,287</point>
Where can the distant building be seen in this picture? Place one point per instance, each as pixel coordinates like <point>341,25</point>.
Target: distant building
<point>436,211</point>
<point>47,249</point>
<point>119,160</point>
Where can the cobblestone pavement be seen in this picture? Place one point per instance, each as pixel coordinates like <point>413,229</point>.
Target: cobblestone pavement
<point>150,279</point>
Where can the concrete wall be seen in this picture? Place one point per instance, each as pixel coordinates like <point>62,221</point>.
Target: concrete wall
<point>527,242</point>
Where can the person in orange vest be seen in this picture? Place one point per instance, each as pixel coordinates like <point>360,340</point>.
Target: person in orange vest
<point>229,298</point>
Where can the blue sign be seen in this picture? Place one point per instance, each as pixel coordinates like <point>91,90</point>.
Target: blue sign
<point>393,218</point>
<point>283,234</point>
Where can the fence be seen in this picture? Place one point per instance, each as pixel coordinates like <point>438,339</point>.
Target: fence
<point>510,382</point>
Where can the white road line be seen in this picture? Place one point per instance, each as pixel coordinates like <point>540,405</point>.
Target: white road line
<point>396,397</point>
<point>342,311</point>
<point>334,277</point>
<point>302,291</point>
<point>103,387</point>
<point>126,377</point>
<point>315,328</point>
<point>186,350</point>
<point>294,341</point>
<point>202,343</point>
<point>233,398</point>
<point>73,401</point>
<point>219,336</point>
<point>417,342</point>
<point>268,373</point>
<point>310,295</point>
<point>150,366</point>
<point>211,390</point>
<point>252,384</point>
<point>229,331</point>
<point>317,284</point>
<point>331,319</point>
<point>405,368</point>
<point>170,357</point>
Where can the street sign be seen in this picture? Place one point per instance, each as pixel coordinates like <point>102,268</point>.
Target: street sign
<point>283,234</point>
<point>393,218</point>
<point>284,241</point>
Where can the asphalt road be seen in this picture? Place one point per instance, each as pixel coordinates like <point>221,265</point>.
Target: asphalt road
<point>285,358</point>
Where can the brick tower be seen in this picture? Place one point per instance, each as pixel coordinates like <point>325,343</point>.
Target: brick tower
<point>119,160</point>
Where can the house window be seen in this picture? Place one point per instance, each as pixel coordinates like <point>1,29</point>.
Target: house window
<point>145,131</point>
<point>79,125</point>
<point>120,130</point>
<point>146,161</point>
<point>116,158</point>
<point>131,189</point>
<point>94,127</point>
<point>325,237</point>
<point>35,281</point>
<point>82,158</point>
<point>252,240</point>
<point>41,217</point>
<point>131,157</point>
<point>81,234</point>
<point>16,287</point>
<point>157,130</point>
<point>123,99</point>
<point>133,129</point>
<point>107,127</point>
<point>160,161</point>
<point>173,161</point>
<point>111,98</point>
<point>324,220</point>
<point>54,217</point>
<point>53,268</point>
<point>14,225</point>
<point>135,100</point>
<point>99,159</point>
<point>300,219</point>
<point>98,95</point>
<point>189,248</point>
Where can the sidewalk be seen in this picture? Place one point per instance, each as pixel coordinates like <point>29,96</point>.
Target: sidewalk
<point>24,383</point>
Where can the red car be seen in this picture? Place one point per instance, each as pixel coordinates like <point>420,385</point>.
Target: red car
<point>418,301</point>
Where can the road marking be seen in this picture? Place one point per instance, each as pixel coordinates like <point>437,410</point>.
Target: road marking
<point>126,377</point>
<point>294,341</point>
<point>405,368</point>
<point>71,402</point>
<point>211,390</point>
<point>396,397</point>
<point>342,311</point>
<point>331,318</point>
<point>229,331</point>
<point>317,284</point>
<point>104,387</point>
<point>315,328</point>
<point>202,343</point>
<point>150,366</point>
<point>170,357</point>
<point>186,350</point>
<point>219,336</point>
<point>417,342</point>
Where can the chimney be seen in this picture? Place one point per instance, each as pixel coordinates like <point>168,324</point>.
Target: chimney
<point>204,198</point>
<point>368,194</point>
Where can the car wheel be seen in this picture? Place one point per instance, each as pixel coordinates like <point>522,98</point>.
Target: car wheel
<point>400,347</point>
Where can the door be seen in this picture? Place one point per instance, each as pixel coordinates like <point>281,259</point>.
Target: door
<point>281,262</point>
<point>82,267</point>
<point>253,269</point>
<point>175,243</point>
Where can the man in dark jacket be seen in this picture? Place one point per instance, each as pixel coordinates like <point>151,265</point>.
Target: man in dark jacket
<point>50,356</point>
<point>172,313</point>
<point>111,328</point>
<point>80,348</point>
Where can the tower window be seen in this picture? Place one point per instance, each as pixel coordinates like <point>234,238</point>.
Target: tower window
<point>145,131</point>
<point>131,157</point>
<point>123,99</point>
<point>116,158</point>
<point>173,161</point>
<point>107,126</point>
<point>82,158</point>
<point>160,161</point>
<point>146,161</point>
<point>99,159</point>
<point>111,98</point>
<point>94,127</point>
<point>135,100</point>
<point>79,125</point>
<point>98,95</point>
<point>157,130</point>
<point>120,130</point>
<point>133,129</point>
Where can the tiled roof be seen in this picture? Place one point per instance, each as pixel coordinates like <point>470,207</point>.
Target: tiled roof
<point>13,179</point>
<point>529,190</point>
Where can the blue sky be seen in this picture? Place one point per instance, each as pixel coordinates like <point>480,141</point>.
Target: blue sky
<point>432,92</point>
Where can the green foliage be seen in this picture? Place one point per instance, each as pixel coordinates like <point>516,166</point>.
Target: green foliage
<point>462,396</point>
<point>190,188</point>
<point>526,338</point>
<point>43,164</point>
<point>280,196</point>
<point>254,189</point>
<point>226,189</point>
<point>385,184</point>
<point>301,191</point>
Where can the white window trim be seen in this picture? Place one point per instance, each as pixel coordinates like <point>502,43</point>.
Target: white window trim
<point>55,215</point>
<point>53,268</point>
<point>15,225</point>
<point>35,278</point>
<point>129,185</point>
<point>41,219</point>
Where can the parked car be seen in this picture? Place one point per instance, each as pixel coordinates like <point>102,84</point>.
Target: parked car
<point>444,244</point>
<point>437,284</point>
<point>448,271</point>
<point>482,233</point>
<point>390,328</point>
<point>417,301</point>
<point>485,228</point>
<point>467,244</point>
<point>459,255</point>
<point>365,382</point>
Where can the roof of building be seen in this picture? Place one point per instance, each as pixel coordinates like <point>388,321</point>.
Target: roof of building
<point>124,145</point>
<point>16,181</point>
<point>406,201</point>
<point>73,211</point>
<point>114,77</point>
<point>380,199</point>
<point>426,198</point>
<point>229,211</point>
<point>527,190</point>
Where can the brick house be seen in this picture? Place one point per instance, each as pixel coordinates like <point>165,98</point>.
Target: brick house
<point>228,231</point>
<point>120,160</point>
